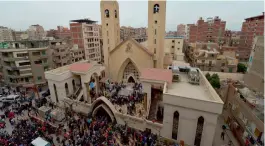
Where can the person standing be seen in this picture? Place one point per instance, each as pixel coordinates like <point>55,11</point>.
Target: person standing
<point>223,135</point>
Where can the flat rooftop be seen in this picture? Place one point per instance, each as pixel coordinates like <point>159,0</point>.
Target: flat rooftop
<point>186,89</point>
<point>183,88</point>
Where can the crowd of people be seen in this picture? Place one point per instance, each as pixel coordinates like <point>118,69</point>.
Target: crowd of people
<point>134,96</point>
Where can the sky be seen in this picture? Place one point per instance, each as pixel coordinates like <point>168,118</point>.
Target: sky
<point>20,15</point>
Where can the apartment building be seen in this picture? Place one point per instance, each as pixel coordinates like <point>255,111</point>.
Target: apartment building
<point>253,26</point>
<point>85,34</point>
<point>5,34</point>
<point>231,38</point>
<point>255,74</point>
<point>19,35</point>
<point>60,49</point>
<point>243,112</point>
<point>139,34</point>
<point>174,47</point>
<point>211,30</point>
<point>36,32</point>
<point>60,33</point>
<point>77,54</point>
<point>181,30</point>
<point>207,57</point>
<point>24,62</point>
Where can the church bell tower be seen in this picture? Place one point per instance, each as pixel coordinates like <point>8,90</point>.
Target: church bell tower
<point>110,25</point>
<point>156,30</point>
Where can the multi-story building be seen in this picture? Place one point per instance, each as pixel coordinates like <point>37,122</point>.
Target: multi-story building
<point>181,30</point>
<point>171,33</point>
<point>228,51</point>
<point>139,34</point>
<point>5,34</point>
<point>174,47</point>
<point>60,33</point>
<point>243,112</point>
<point>207,57</point>
<point>255,74</point>
<point>253,26</point>
<point>36,32</point>
<point>60,52</point>
<point>19,35</point>
<point>85,34</point>
<point>24,62</point>
<point>211,30</point>
<point>77,54</point>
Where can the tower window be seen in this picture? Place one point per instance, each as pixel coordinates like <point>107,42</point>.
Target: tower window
<point>156,8</point>
<point>155,41</point>
<point>155,22</point>
<point>107,13</point>
<point>155,50</point>
<point>107,24</point>
<point>115,13</point>
<point>155,31</point>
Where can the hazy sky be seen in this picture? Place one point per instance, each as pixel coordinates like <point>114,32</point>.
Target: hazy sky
<point>19,15</point>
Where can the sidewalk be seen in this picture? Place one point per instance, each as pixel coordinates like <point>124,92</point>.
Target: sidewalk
<point>228,135</point>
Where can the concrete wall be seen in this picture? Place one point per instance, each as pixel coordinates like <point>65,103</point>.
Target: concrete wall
<point>188,123</point>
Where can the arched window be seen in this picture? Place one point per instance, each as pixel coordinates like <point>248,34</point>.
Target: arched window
<point>107,13</point>
<point>175,125</point>
<point>55,91</point>
<point>198,136</point>
<point>156,8</point>
<point>66,89</point>
<point>115,13</point>
<point>73,83</point>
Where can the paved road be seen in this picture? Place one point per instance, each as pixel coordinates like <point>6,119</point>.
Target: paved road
<point>228,136</point>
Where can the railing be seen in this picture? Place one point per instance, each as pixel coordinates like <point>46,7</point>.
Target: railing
<point>77,92</point>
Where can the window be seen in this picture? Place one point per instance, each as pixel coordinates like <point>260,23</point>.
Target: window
<point>107,24</point>
<point>107,13</point>
<point>107,33</point>
<point>178,42</point>
<point>22,55</point>
<point>39,78</point>
<point>155,50</point>
<point>55,91</point>
<point>178,48</point>
<point>24,63</point>
<point>38,62</point>
<point>155,21</point>
<point>115,13</point>
<point>173,41</point>
<point>175,125</point>
<point>108,41</point>
<point>155,31</point>
<point>35,53</point>
<point>172,46</point>
<point>154,41</point>
<point>199,129</point>
<point>44,60</point>
<point>43,52</point>
<point>156,8</point>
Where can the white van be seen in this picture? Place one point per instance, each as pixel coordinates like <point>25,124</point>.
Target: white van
<point>11,98</point>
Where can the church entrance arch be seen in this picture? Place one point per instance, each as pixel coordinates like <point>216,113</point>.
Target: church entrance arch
<point>129,71</point>
<point>131,79</point>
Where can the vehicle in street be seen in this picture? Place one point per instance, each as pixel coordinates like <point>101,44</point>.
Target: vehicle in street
<point>11,98</point>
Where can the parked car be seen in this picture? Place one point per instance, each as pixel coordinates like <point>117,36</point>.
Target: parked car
<point>11,98</point>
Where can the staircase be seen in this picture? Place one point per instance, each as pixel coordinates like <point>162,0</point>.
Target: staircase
<point>153,108</point>
<point>77,93</point>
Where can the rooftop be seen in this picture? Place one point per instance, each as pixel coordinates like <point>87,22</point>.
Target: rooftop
<point>157,74</point>
<point>256,17</point>
<point>80,67</point>
<point>87,21</point>
<point>183,87</point>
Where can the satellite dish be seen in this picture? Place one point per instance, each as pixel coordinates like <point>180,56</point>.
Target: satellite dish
<point>24,36</point>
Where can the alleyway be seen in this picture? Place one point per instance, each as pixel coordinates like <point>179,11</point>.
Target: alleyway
<point>228,135</point>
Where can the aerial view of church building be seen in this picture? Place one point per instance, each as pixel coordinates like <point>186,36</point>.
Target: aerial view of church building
<point>177,102</point>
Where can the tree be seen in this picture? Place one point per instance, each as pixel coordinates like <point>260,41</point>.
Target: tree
<point>214,80</point>
<point>241,68</point>
<point>208,76</point>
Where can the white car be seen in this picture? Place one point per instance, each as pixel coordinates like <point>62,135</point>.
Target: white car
<point>11,98</point>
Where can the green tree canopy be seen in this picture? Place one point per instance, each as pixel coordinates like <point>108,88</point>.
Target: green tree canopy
<point>241,67</point>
